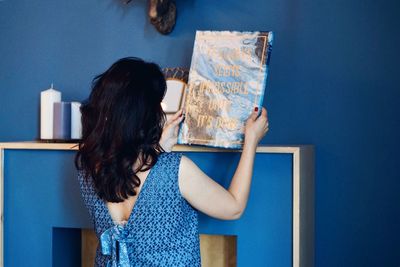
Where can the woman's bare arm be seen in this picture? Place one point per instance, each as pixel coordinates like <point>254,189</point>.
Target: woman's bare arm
<point>204,194</point>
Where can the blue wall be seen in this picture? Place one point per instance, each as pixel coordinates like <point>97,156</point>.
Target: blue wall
<point>334,83</point>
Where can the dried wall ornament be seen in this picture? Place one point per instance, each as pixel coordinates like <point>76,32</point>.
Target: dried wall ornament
<point>162,14</point>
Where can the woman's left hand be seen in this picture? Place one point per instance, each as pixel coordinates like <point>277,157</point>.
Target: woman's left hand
<point>169,136</point>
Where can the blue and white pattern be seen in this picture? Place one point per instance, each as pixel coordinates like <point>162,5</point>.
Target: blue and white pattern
<point>162,229</point>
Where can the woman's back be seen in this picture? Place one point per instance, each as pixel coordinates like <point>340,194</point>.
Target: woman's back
<point>123,125</point>
<point>162,229</point>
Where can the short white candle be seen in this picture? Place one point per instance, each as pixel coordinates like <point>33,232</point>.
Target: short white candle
<point>76,124</point>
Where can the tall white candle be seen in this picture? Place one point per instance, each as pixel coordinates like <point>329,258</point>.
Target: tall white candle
<point>76,124</point>
<point>47,99</point>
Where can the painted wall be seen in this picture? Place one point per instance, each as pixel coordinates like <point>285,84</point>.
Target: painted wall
<point>333,83</point>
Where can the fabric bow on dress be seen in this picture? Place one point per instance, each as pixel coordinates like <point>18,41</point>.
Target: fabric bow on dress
<point>114,243</point>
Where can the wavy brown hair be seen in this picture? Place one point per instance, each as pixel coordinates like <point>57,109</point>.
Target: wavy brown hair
<point>122,122</point>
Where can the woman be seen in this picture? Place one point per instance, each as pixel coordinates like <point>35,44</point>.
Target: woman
<point>143,200</point>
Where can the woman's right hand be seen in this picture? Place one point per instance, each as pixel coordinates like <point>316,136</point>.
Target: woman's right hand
<point>256,128</point>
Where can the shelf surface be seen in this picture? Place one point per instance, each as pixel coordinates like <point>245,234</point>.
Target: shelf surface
<point>177,148</point>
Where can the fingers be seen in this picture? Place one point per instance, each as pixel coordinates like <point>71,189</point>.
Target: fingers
<point>177,117</point>
<point>264,112</point>
<point>266,128</point>
<point>178,120</point>
<point>263,120</point>
<point>254,115</point>
<point>177,114</point>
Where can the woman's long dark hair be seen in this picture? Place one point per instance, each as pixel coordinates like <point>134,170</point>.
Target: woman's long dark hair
<point>122,122</point>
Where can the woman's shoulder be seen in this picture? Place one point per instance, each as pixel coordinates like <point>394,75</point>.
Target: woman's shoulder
<point>81,174</point>
<point>85,180</point>
<point>171,157</point>
<point>169,163</point>
<point>171,154</point>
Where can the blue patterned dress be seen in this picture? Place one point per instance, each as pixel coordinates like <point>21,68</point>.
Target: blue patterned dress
<point>162,229</point>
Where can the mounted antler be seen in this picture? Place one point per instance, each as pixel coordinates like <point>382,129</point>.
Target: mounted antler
<point>162,15</point>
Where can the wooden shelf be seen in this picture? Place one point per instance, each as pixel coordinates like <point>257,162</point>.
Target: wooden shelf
<point>177,148</point>
<point>38,145</point>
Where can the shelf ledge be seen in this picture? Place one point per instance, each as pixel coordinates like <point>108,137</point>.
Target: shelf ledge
<point>177,148</point>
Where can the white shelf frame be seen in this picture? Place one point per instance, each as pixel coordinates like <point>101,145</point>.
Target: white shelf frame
<point>303,190</point>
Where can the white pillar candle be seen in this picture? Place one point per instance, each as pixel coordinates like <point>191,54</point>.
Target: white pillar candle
<point>76,124</point>
<point>47,99</point>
